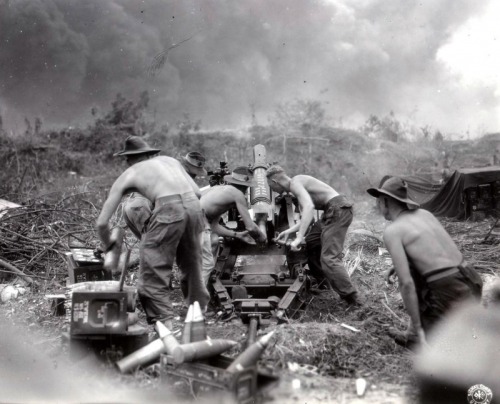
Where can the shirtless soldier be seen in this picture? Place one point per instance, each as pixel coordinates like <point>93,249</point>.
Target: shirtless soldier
<point>173,231</point>
<point>432,274</point>
<point>136,208</point>
<point>337,215</point>
<point>220,198</point>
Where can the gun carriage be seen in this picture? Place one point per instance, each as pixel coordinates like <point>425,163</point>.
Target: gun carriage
<point>267,282</point>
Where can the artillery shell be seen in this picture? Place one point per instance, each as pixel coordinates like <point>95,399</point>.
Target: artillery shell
<point>201,350</point>
<point>167,337</point>
<point>251,355</point>
<point>141,357</point>
<point>186,332</point>
<point>198,331</point>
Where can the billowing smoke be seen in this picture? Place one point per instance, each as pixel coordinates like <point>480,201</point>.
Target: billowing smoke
<point>59,58</point>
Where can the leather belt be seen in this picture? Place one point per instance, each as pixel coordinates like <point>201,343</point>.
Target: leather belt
<point>441,273</point>
<point>177,197</point>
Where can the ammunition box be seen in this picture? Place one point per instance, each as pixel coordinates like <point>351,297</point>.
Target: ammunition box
<point>84,266</point>
<point>211,377</point>
<point>89,273</point>
<point>98,313</point>
<point>109,347</point>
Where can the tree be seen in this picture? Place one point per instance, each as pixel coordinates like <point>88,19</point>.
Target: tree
<point>38,125</point>
<point>389,128</point>
<point>126,114</point>
<point>438,137</point>
<point>303,116</point>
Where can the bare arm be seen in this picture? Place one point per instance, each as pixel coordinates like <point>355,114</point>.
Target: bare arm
<point>195,187</point>
<point>288,231</point>
<point>306,210</point>
<point>221,230</point>
<point>252,228</point>
<point>225,232</point>
<point>395,246</point>
<point>114,198</point>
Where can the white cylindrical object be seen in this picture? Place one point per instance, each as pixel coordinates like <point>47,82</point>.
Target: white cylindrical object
<point>360,387</point>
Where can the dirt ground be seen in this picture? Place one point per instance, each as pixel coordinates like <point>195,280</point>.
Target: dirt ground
<point>317,356</point>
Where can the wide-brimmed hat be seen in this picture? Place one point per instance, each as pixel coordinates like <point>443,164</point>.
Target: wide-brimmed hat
<point>240,176</point>
<point>396,188</point>
<point>194,162</point>
<point>136,145</point>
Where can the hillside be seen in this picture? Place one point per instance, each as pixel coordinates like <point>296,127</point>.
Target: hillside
<point>348,160</point>
<point>62,178</point>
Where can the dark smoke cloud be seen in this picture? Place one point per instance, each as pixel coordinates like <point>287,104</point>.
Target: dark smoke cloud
<point>61,57</point>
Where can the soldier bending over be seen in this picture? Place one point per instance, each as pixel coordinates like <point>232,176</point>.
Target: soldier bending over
<point>172,232</point>
<point>337,215</point>
<point>432,273</point>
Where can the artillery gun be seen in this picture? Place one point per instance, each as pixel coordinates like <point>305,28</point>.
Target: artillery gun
<point>267,282</point>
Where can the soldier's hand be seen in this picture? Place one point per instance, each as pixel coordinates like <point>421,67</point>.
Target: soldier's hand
<point>245,237</point>
<point>284,235</point>
<point>389,274</point>
<point>296,244</point>
<point>262,238</point>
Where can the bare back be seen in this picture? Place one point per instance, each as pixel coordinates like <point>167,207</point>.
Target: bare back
<point>319,192</point>
<point>220,199</point>
<point>426,243</point>
<point>157,177</point>
<point>153,178</point>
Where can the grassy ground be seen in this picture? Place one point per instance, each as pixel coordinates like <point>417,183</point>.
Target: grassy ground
<point>327,346</point>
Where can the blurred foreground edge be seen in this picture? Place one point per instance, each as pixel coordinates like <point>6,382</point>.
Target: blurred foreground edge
<point>463,354</point>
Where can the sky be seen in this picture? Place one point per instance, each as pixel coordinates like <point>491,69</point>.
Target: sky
<point>432,63</point>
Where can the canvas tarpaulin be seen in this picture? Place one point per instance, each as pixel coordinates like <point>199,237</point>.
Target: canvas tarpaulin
<point>450,200</point>
<point>421,189</point>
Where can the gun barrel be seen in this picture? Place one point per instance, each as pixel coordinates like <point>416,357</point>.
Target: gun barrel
<point>262,225</point>
<point>260,193</point>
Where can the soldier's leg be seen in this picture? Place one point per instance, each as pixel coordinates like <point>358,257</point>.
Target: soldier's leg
<point>157,252</point>
<point>332,245</point>
<point>313,250</point>
<point>207,256</point>
<point>136,212</point>
<point>189,257</point>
